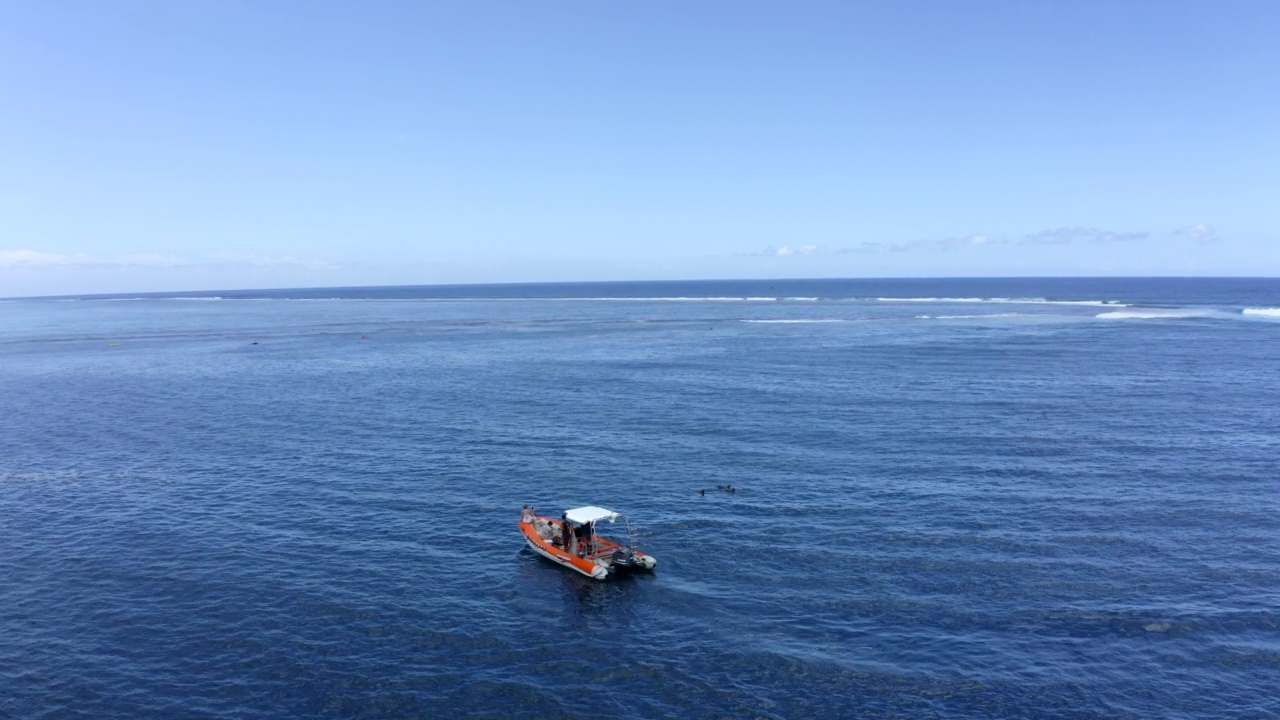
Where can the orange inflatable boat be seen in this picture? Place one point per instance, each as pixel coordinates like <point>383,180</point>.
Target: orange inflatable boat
<point>580,548</point>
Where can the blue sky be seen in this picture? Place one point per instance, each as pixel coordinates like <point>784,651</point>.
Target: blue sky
<point>205,145</point>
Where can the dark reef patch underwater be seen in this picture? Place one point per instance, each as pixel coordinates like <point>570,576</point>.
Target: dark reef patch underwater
<point>956,499</point>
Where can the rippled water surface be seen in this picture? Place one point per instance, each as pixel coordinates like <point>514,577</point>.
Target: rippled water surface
<point>1034,498</point>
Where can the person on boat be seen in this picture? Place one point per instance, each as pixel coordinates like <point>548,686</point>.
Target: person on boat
<point>566,533</point>
<point>526,515</point>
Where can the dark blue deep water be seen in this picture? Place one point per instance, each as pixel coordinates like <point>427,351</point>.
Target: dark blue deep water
<point>959,499</point>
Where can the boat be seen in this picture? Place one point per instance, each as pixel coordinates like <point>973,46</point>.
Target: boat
<point>587,553</point>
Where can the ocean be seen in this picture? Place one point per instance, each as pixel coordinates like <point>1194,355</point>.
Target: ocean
<point>1048,498</point>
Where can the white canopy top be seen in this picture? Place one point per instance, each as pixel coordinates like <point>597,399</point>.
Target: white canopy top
<point>590,514</point>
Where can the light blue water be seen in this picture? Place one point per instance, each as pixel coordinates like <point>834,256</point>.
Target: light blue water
<point>993,503</point>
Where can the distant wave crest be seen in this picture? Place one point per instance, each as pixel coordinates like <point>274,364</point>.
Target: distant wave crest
<point>798,321</point>
<point>1163,314</point>
<point>1005,301</point>
<point>1263,312</point>
<point>983,316</point>
<point>693,299</point>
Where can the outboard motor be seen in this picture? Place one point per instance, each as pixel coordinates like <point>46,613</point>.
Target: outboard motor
<point>623,558</point>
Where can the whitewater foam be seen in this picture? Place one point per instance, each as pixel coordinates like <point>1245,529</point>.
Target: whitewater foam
<point>971,317</point>
<point>798,321</point>
<point>1005,301</point>
<point>1262,312</point>
<point>685,299</point>
<point>936,300</point>
<point>1163,314</point>
<point>675,299</point>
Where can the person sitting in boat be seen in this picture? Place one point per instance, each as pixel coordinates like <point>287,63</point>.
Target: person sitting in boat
<point>526,515</point>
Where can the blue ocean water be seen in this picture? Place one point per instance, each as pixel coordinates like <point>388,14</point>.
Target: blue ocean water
<point>958,499</point>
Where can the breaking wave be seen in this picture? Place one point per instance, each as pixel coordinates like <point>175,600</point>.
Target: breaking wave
<point>1163,314</point>
<point>971,317</point>
<point>798,322</point>
<point>1005,301</point>
<point>1262,312</point>
<point>625,299</point>
<point>693,299</point>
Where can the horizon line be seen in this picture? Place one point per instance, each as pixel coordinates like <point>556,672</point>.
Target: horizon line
<point>535,283</point>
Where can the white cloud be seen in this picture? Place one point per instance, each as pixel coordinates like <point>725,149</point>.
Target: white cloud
<point>147,260</point>
<point>945,243</point>
<point>1201,233</point>
<point>31,258</point>
<point>34,259</point>
<point>1059,236</point>
<point>226,259</point>
<point>1072,235</point>
<point>786,251</point>
<point>865,247</point>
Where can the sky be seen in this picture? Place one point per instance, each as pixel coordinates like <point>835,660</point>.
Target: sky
<point>157,146</point>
